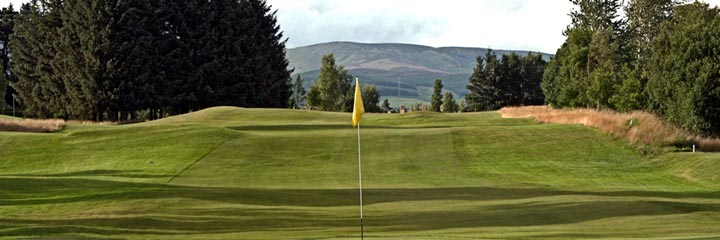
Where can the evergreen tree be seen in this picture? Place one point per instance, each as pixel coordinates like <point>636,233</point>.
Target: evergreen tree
<point>371,98</point>
<point>484,92</point>
<point>3,88</point>
<point>436,100</point>
<point>532,73</point>
<point>114,59</point>
<point>333,85</point>
<point>512,81</point>
<point>313,96</point>
<point>36,31</point>
<point>449,105</point>
<point>585,71</point>
<point>7,23</point>
<point>298,94</point>
<point>630,96</point>
<point>84,53</point>
<point>385,107</point>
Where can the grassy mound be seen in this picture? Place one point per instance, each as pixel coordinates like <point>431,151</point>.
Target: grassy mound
<point>233,173</point>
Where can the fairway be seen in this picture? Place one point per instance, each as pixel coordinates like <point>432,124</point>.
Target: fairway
<point>235,173</point>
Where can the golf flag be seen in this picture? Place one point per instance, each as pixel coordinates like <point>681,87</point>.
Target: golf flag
<point>358,108</point>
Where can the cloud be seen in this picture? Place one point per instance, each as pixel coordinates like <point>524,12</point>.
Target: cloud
<point>513,24</point>
<point>535,25</point>
<point>508,24</point>
<point>310,22</point>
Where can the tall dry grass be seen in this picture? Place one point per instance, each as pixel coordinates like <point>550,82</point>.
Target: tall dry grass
<point>636,127</point>
<point>31,125</point>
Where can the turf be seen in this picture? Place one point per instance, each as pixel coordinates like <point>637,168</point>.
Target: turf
<point>232,173</point>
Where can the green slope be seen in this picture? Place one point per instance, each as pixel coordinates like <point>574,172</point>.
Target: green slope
<point>231,173</point>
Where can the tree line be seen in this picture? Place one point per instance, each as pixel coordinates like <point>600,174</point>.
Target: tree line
<point>115,60</point>
<point>661,56</point>
<point>334,90</point>
<point>511,80</point>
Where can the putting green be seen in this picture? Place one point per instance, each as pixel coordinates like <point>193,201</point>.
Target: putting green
<point>233,173</point>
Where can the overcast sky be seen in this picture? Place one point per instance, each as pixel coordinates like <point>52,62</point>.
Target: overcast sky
<point>501,24</point>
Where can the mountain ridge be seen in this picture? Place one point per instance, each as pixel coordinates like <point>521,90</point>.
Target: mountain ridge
<point>400,69</point>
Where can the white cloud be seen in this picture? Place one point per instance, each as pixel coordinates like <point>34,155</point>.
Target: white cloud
<point>501,24</point>
<point>515,24</point>
<point>535,25</point>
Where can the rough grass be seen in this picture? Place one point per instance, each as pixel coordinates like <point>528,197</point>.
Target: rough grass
<point>231,173</point>
<point>636,127</point>
<point>31,125</point>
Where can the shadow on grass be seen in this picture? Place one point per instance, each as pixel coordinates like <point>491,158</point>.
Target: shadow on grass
<point>318,127</point>
<point>96,173</point>
<point>237,210</point>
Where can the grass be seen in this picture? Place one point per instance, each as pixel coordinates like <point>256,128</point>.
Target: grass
<point>396,102</point>
<point>231,173</point>
<point>12,124</point>
<point>639,128</point>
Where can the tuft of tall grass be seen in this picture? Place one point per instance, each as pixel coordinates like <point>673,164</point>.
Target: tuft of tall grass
<point>639,128</point>
<point>31,125</point>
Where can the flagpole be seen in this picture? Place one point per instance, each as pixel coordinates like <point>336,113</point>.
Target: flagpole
<point>362,232</point>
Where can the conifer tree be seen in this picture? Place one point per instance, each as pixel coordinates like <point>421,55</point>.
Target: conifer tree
<point>436,100</point>
<point>449,105</point>
<point>298,94</point>
<point>371,98</point>
<point>386,106</point>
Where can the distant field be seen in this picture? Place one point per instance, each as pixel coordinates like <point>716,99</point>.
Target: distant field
<point>232,173</point>
<point>396,102</point>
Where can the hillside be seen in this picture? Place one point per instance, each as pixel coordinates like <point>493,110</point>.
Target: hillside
<point>399,70</point>
<point>233,173</point>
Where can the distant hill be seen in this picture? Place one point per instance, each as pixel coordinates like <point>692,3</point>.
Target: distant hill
<point>398,70</point>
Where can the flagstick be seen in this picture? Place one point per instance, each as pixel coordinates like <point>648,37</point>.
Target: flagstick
<point>362,232</point>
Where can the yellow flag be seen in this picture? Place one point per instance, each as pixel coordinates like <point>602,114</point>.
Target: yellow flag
<point>358,108</point>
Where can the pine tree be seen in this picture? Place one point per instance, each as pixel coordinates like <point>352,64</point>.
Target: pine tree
<point>449,105</point>
<point>299,94</point>
<point>371,98</point>
<point>85,51</point>
<point>3,88</point>
<point>313,96</point>
<point>333,85</point>
<point>385,107</point>
<point>41,91</point>
<point>436,100</point>
<point>478,97</point>
<point>7,16</point>
<point>585,71</point>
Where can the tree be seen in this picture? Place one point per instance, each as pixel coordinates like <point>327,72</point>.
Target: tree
<point>585,71</point>
<point>333,85</point>
<point>512,81</point>
<point>313,96</point>
<point>533,68</point>
<point>684,71</point>
<point>449,105</point>
<point>7,23</point>
<point>630,96</point>
<point>436,100</point>
<point>3,88</point>
<point>371,98</point>
<point>41,91</point>
<point>644,20</point>
<point>114,59</point>
<point>299,93</point>
<point>385,107</point>
<point>483,87</point>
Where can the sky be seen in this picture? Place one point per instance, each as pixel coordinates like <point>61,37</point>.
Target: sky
<point>534,25</point>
